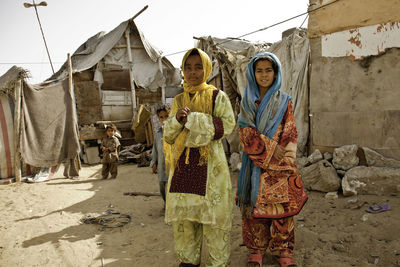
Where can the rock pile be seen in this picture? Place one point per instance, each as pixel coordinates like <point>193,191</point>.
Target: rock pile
<point>341,170</point>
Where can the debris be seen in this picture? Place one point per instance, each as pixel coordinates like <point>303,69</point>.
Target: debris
<point>328,156</point>
<point>345,157</point>
<point>321,176</point>
<point>315,157</point>
<point>108,219</point>
<point>300,218</point>
<point>375,159</point>
<point>301,162</point>
<point>331,195</point>
<point>358,206</point>
<point>141,194</point>
<point>364,218</point>
<point>361,180</point>
<point>376,208</point>
<point>352,201</point>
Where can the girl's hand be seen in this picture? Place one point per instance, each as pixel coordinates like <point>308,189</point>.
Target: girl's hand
<point>182,113</point>
<point>279,152</point>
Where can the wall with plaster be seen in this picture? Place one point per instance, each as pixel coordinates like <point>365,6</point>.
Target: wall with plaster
<point>354,87</point>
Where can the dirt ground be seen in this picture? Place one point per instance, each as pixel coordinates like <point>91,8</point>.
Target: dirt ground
<point>40,226</point>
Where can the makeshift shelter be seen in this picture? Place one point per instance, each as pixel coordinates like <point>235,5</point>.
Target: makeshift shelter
<point>113,74</point>
<point>116,72</point>
<point>231,56</point>
<point>38,123</point>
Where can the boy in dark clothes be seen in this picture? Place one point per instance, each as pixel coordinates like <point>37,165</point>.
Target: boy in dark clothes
<point>110,147</point>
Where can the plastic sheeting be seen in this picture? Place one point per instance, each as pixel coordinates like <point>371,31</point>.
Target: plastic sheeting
<point>232,57</point>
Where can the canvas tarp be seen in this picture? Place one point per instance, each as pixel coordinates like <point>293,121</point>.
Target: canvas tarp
<point>8,79</point>
<point>49,134</point>
<point>141,122</point>
<point>232,57</point>
<point>7,150</point>
<point>149,67</point>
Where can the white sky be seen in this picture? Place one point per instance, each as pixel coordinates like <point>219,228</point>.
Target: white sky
<point>168,24</point>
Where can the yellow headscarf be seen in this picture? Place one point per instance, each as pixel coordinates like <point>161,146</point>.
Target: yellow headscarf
<point>201,101</point>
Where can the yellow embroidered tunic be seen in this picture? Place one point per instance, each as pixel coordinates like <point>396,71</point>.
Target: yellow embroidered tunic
<point>215,206</point>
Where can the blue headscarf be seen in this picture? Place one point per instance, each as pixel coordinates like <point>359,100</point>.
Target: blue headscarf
<point>266,119</point>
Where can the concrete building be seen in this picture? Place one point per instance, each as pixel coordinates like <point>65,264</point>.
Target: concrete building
<point>355,75</point>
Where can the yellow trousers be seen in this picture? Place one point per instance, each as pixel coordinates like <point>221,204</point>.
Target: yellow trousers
<point>188,240</point>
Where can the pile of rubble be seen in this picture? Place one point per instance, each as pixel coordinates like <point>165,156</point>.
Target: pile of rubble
<point>343,170</point>
<point>137,153</point>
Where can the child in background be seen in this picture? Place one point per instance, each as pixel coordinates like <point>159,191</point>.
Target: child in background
<point>110,146</point>
<point>158,159</point>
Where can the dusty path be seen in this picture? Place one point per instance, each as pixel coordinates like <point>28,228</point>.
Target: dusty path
<point>39,226</point>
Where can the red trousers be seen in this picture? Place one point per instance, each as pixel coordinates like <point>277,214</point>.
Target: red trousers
<point>275,234</point>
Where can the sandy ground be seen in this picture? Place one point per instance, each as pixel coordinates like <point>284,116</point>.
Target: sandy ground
<point>39,226</point>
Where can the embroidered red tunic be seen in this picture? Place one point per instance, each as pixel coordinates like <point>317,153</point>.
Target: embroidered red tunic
<point>281,192</point>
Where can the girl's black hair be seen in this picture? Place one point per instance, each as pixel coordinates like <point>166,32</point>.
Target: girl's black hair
<point>194,52</point>
<point>274,65</point>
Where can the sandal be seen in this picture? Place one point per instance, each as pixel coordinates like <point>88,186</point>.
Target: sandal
<point>256,258</point>
<point>285,261</point>
<point>376,208</point>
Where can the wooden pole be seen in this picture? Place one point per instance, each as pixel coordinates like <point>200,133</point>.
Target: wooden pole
<point>70,78</point>
<point>17,129</point>
<point>72,94</point>
<point>130,62</point>
<point>163,81</point>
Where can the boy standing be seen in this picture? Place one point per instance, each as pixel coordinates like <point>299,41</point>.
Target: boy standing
<point>110,146</point>
<point>158,159</point>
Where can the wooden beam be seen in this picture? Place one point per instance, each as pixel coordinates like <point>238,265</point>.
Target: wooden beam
<point>17,129</point>
<point>130,62</point>
<point>132,47</point>
<point>163,80</point>
<point>107,122</point>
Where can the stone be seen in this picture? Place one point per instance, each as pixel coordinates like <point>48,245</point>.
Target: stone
<point>374,159</point>
<point>345,157</point>
<point>332,195</point>
<point>320,176</point>
<point>362,180</point>
<point>328,156</point>
<point>301,162</point>
<point>235,162</point>
<point>315,157</point>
